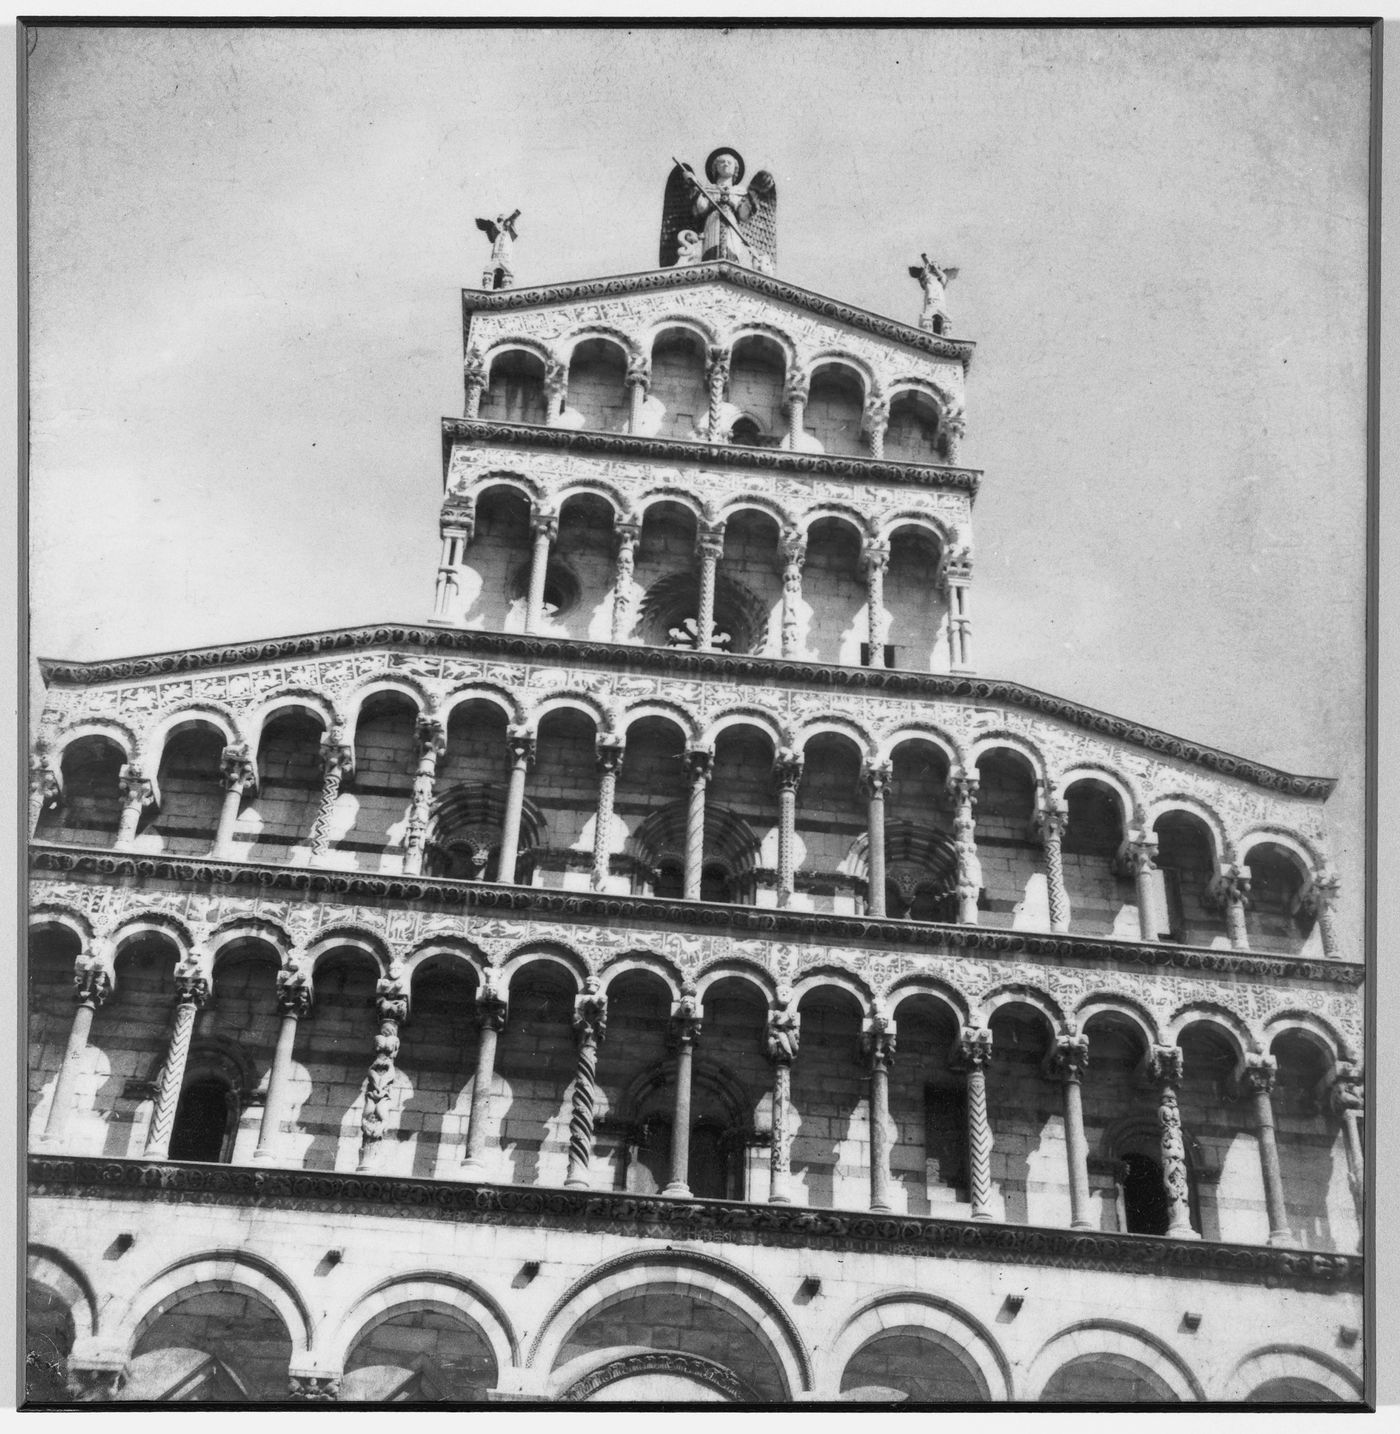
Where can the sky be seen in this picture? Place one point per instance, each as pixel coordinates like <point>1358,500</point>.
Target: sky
<point>246,249</point>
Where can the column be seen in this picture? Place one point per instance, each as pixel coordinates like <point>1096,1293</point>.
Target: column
<point>1347,1100</point>
<point>474,379</point>
<point>522,753</point>
<point>638,382</point>
<point>874,560</point>
<point>795,394</point>
<point>92,984</point>
<point>556,389</point>
<point>1069,1060</point>
<point>699,762</point>
<point>875,420</point>
<point>391,1011</point>
<point>1139,854</point>
<point>1257,1081</point>
<point>685,1031</point>
<point>877,1046</point>
<point>794,553</point>
<point>957,588</point>
<point>455,537</point>
<point>1050,823</point>
<point>787,773</point>
<point>293,1005</point>
<point>878,776</point>
<point>237,776</point>
<point>709,548</point>
<point>45,787</point>
<point>781,1041</point>
<point>491,1012</point>
<point>337,762</point>
<point>964,790</point>
<point>717,376</point>
<point>1164,1071</point>
<point>610,751</point>
<point>626,533</point>
<point>972,1055</point>
<point>544,528</point>
<point>1230,890</point>
<point>954,429</point>
<point>1321,898</point>
<point>590,1025</point>
<point>191,992</point>
<point>137,794</point>
<point>432,743</point>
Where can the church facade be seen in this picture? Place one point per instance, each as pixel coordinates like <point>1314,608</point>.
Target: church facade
<point>671,973</point>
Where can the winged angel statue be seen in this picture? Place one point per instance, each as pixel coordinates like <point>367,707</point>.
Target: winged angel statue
<point>720,217</point>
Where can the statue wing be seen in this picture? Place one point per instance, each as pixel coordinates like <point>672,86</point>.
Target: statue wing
<point>916,271</point>
<point>677,213</point>
<point>951,274</point>
<point>760,229</point>
<point>488,228</point>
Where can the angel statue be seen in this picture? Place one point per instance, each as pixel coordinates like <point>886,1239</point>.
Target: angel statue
<point>734,221</point>
<point>501,232</point>
<point>935,280</point>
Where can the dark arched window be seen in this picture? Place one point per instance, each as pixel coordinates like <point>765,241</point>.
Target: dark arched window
<point>1144,1196</point>
<point>670,879</point>
<point>710,1173</point>
<point>203,1121</point>
<point>715,884</point>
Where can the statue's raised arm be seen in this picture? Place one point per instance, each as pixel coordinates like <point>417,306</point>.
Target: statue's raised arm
<point>717,217</point>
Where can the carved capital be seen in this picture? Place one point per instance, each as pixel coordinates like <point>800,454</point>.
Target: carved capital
<point>874,557</point>
<point>1164,1065</point>
<point>44,779</point>
<point>1069,1058</point>
<point>1258,1074</point>
<point>432,737</point>
<point>313,1388</point>
<point>521,742</point>
<point>610,750</point>
<point>92,981</point>
<point>556,377</point>
<point>236,770</point>
<point>544,523</point>
<point>1322,892</point>
<point>492,1008</point>
<point>796,388</point>
<point>877,779</point>
<point>955,425</point>
<point>973,1050</point>
<point>294,991</point>
<point>191,988</point>
<point>1138,854</point>
<point>787,769</point>
<point>876,413</point>
<point>782,1036</point>
<point>1347,1092</point>
<point>590,1013</point>
<point>877,1045</point>
<point>793,545</point>
<point>685,1019</point>
<point>474,368</point>
<point>1050,821</point>
<point>717,365</point>
<point>136,787</point>
<point>1229,884</point>
<point>699,763</point>
<point>956,567</point>
<point>337,755</point>
<point>639,370</point>
<point>709,541</point>
<point>627,533</point>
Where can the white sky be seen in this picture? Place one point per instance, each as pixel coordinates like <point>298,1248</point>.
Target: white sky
<point>246,251</point>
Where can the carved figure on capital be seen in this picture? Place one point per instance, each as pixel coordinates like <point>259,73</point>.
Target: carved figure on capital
<point>783,1035</point>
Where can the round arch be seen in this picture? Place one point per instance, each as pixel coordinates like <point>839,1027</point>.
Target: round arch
<point>498,697</point>
<point>653,496</point>
<point>117,733</point>
<point>729,969</point>
<point>54,1270</point>
<point>352,938</point>
<point>814,978</point>
<point>581,702</point>
<point>208,714</point>
<point>551,954</point>
<point>766,722</point>
<point>1307,855</point>
<point>1117,1343</point>
<point>946,743</point>
<point>1129,803</point>
<point>671,712</point>
<point>845,727</point>
<point>299,700</point>
<point>1110,1003</point>
<point>453,951</point>
<point>1291,1361</point>
<point>987,744</point>
<point>647,961</point>
<point>1325,1037</point>
<point>1201,1013</point>
<point>924,522</point>
<point>943,992</point>
<point>1201,811</point>
<point>1041,1002</point>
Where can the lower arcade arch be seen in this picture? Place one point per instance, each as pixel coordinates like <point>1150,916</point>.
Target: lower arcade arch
<point>1106,1362</point>
<point>1291,1374</point>
<point>422,1349</point>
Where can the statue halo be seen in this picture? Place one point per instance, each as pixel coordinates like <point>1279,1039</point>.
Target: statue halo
<point>715,154</point>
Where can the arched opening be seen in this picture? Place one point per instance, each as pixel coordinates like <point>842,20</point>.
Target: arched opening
<point>1101,898</point>
<point>830,819</point>
<point>1293,1389</point>
<point>1312,1160</point>
<point>598,386</point>
<point>1012,857</point>
<point>221,1342</point>
<point>666,571</point>
<point>928,1106</point>
<point>1221,1139</point>
<point>535,1058</point>
<point>438,1062</point>
<point>1025,1113</point>
<point>835,404</point>
<point>564,783</point>
<point>833,588</point>
<point>48,1341</point>
<point>679,384</point>
<point>916,608</point>
<point>493,595</point>
<point>831,1133</point>
<point>53,950</point>
<point>1185,857</point>
<point>726,1162</point>
<point>631,1151</point>
<point>386,756</point>
<point>749,588</point>
<point>921,864</point>
<point>912,435</point>
<point>464,826</point>
<point>90,807</point>
<point>579,576</point>
<point>205,1120</point>
<point>915,1364</point>
<point>1276,916</point>
<point>652,777</point>
<point>757,369</point>
<point>515,393</point>
<point>191,793</point>
<point>430,1351</point>
<point>1145,1206</point>
<point>1106,1379</point>
<point>741,814</point>
<point>277,821</point>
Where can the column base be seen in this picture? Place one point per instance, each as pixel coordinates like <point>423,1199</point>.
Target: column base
<point>984,1217</point>
<point>263,1157</point>
<point>879,1208</point>
<point>678,1187</point>
<point>577,1182</point>
<point>473,1170</point>
<point>780,1199</point>
<point>1281,1239</point>
<point>1080,1225</point>
<point>1184,1234</point>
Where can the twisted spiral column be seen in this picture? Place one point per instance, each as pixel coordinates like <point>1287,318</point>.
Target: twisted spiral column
<point>590,1025</point>
<point>337,759</point>
<point>1051,822</point>
<point>45,788</point>
<point>717,377</point>
<point>875,420</point>
<point>191,993</point>
<point>795,394</point>
<point>699,762</point>
<point>474,381</point>
<point>1164,1070</point>
<point>972,1056</point>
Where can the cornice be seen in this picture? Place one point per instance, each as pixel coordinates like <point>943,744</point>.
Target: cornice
<point>689,276</point>
<point>587,907</point>
<point>774,671</point>
<point>661,1217</point>
<point>587,442</point>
